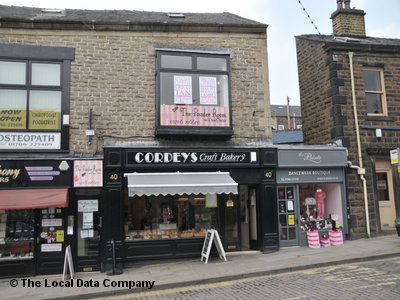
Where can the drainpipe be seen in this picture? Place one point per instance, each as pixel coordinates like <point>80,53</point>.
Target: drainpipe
<point>360,168</point>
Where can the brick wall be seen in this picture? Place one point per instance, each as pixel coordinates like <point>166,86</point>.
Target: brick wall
<point>114,74</point>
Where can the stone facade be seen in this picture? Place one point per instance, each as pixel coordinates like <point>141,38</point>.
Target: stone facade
<point>328,111</point>
<point>114,75</point>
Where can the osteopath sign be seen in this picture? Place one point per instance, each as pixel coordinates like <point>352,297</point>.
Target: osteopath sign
<point>30,140</point>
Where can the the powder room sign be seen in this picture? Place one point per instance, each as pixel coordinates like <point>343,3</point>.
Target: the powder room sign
<point>88,173</point>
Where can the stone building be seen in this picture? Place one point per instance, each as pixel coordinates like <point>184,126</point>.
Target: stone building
<point>286,117</point>
<point>349,90</point>
<point>92,103</point>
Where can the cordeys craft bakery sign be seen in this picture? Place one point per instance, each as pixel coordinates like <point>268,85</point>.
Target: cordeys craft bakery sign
<point>190,157</point>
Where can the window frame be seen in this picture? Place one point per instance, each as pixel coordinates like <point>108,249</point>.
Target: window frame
<point>31,54</point>
<point>192,130</point>
<point>382,92</point>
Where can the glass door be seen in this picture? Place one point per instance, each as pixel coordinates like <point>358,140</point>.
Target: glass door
<point>288,212</point>
<point>230,221</point>
<point>88,229</point>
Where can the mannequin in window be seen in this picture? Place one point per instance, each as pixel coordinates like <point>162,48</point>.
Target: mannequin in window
<point>320,196</point>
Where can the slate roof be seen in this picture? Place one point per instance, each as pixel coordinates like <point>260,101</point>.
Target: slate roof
<point>33,14</point>
<point>348,43</point>
<point>287,137</point>
<point>281,110</point>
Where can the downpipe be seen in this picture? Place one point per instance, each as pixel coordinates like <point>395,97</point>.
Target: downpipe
<point>360,168</point>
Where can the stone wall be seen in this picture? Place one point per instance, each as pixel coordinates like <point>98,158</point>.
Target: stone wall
<point>328,115</point>
<point>114,74</point>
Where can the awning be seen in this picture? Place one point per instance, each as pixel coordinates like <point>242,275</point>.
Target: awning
<point>180,183</point>
<point>33,198</point>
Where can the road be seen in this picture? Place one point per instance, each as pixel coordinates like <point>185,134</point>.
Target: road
<point>379,279</point>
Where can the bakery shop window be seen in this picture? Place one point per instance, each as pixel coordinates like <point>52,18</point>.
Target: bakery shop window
<point>171,216</point>
<point>320,206</point>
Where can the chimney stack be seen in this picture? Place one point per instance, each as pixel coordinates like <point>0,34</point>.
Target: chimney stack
<point>348,21</point>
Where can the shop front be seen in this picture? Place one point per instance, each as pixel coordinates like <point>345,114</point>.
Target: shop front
<point>34,197</point>
<point>160,201</point>
<point>311,192</point>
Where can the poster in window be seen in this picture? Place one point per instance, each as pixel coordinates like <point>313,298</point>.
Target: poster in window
<point>290,220</point>
<point>208,90</point>
<point>182,89</point>
<point>12,118</point>
<point>211,201</point>
<point>44,119</point>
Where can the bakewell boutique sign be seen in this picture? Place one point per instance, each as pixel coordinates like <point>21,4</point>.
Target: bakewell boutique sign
<point>190,157</point>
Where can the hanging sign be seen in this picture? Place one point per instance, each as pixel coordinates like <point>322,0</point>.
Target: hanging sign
<point>212,235</point>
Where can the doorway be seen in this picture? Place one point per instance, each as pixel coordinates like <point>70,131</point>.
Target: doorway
<point>248,217</point>
<point>288,212</point>
<point>385,194</point>
<point>88,229</point>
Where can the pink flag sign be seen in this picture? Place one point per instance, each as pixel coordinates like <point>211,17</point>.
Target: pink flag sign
<point>88,173</point>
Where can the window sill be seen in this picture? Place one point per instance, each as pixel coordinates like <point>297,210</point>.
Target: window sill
<point>378,118</point>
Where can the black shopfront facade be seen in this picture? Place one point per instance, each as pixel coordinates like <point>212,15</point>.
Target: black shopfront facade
<point>159,201</point>
<point>34,199</point>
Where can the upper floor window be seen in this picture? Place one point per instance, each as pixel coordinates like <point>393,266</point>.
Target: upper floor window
<point>375,91</point>
<point>34,97</point>
<point>30,101</point>
<point>193,94</point>
<point>281,127</point>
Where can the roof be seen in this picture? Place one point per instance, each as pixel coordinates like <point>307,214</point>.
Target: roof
<point>88,19</point>
<point>281,110</point>
<point>287,137</point>
<point>356,43</point>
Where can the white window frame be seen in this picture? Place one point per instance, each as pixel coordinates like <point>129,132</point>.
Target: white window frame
<point>382,92</point>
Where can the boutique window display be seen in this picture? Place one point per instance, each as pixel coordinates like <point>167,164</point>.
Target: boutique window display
<point>17,229</point>
<point>320,206</point>
<point>171,216</point>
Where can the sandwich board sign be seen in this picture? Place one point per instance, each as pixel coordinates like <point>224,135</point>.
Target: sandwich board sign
<point>212,235</point>
<point>68,263</point>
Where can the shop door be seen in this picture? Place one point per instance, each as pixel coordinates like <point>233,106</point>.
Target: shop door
<point>288,216</point>
<point>229,216</point>
<point>385,193</point>
<point>50,240</point>
<point>88,234</point>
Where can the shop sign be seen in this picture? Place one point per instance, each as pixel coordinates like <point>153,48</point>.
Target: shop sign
<point>192,115</point>
<point>315,158</point>
<point>30,140</point>
<point>88,173</point>
<point>34,173</point>
<point>309,175</point>
<point>191,157</point>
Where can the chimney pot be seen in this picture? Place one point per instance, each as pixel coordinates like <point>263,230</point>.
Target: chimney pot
<point>339,4</point>
<point>347,4</point>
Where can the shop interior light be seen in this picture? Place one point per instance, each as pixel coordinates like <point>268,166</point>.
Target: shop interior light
<point>183,199</point>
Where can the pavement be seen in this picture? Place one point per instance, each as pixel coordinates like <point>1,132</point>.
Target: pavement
<point>184,272</point>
